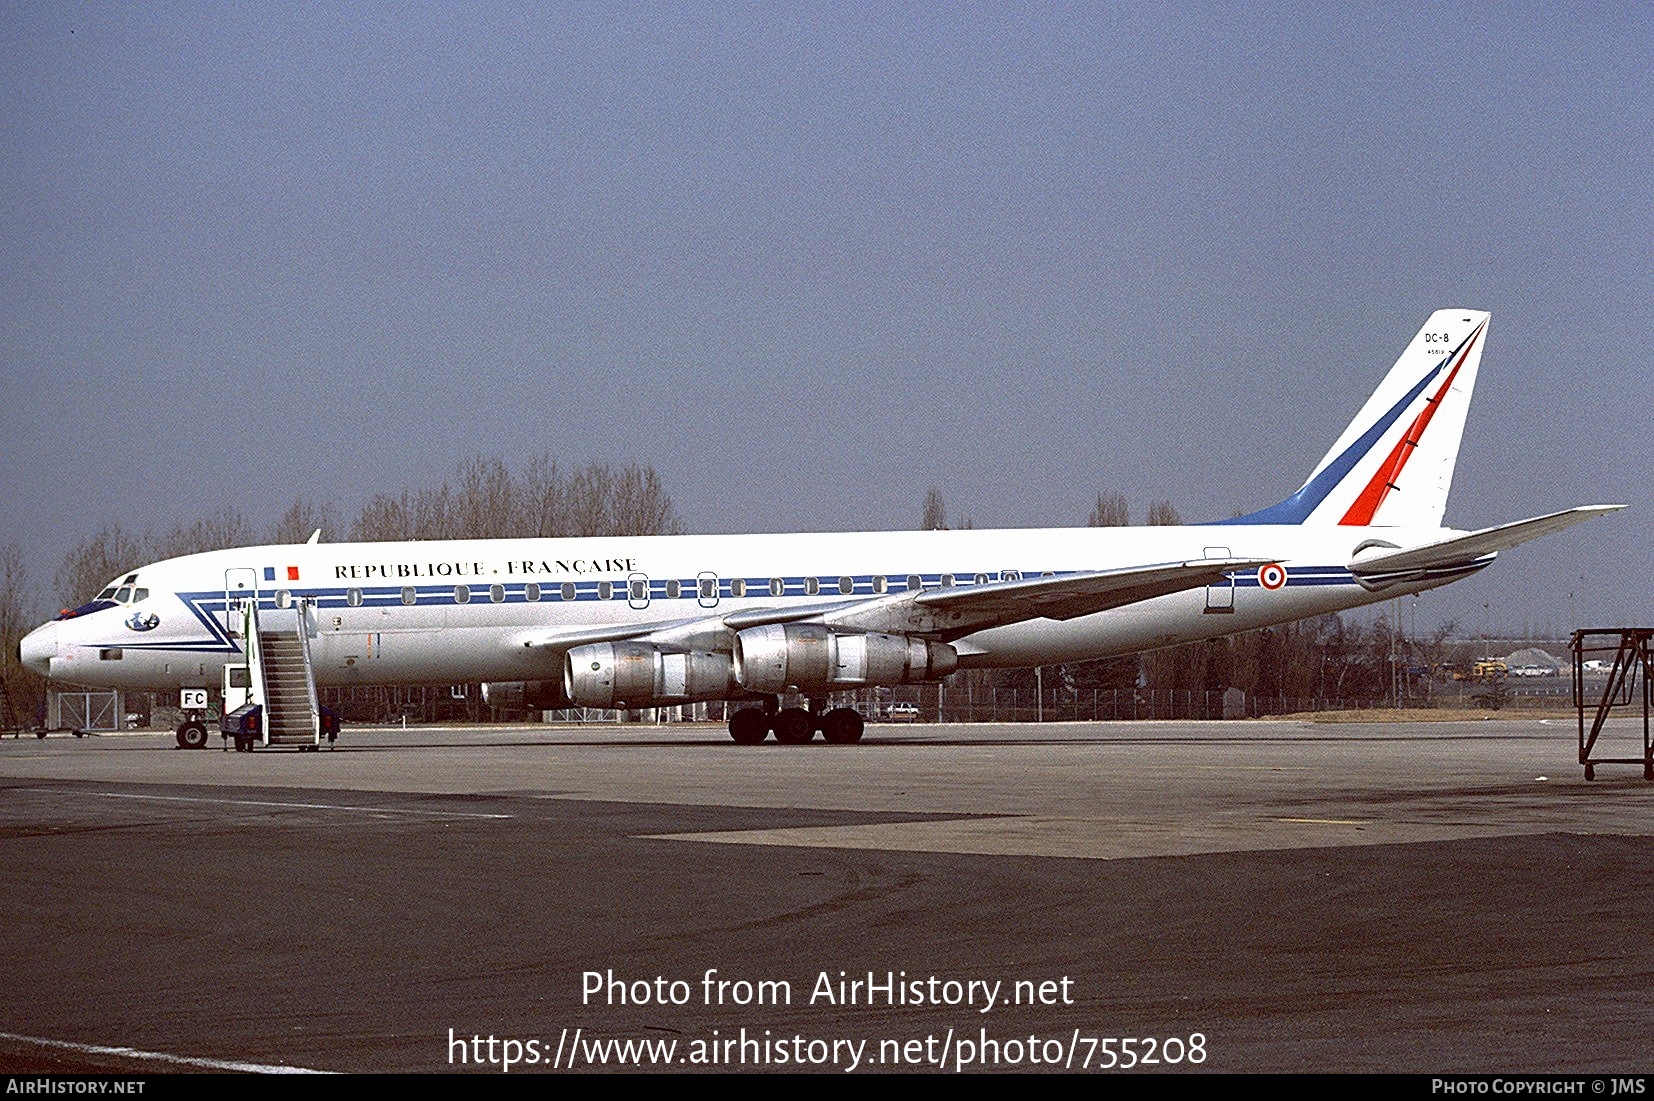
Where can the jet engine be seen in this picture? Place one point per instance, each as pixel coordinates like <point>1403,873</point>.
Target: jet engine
<point>810,658</point>
<point>636,674</point>
<point>516,695</point>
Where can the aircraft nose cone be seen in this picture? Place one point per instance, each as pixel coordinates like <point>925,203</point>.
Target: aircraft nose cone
<point>38,648</point>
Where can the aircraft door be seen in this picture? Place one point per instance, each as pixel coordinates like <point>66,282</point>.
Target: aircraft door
<point>240,586</point>
<point>637,590</point>
<point>706,589</point>
<point>1220,595</point>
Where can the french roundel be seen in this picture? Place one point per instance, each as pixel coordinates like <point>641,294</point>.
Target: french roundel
<point>1272,576</point>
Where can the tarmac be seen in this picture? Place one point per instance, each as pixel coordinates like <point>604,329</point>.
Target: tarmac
<point>1169,897</point>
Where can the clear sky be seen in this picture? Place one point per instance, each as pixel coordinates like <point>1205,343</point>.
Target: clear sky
<point>808,260</point>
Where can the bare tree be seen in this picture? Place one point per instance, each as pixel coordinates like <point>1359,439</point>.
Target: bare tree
<point>92,562</point>
<point>223,528</point>
<point>17,616</point>
<point>587,501</point>
<point>487,501</point>
<point>1162,514</point>
<point>304,517</point>
<point>14,602</point>
<point>640,505</point>
<point>541,492</point>
<point>1110,511</point>
<point>484,506</point>
<point>935,517</point>
<point>386,518</point>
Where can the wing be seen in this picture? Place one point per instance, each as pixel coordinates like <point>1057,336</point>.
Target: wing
<point>938,614</point>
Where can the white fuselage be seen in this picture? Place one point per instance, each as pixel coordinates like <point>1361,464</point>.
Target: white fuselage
<point>451,612</point>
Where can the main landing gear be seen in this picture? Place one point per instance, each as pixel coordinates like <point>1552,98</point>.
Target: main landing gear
<point>795,725</point>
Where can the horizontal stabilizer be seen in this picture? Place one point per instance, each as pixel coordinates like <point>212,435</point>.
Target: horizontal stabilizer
<point>1463,550</point>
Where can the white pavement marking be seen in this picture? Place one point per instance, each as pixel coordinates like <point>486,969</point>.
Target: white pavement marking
<point>161,1056</point>
<point>267,803</point>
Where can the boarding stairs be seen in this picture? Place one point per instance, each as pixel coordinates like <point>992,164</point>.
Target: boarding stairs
<point>292,715</point>
<point>281,677</point>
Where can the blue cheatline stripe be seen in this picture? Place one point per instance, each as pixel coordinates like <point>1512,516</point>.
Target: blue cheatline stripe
<point>204,605</point>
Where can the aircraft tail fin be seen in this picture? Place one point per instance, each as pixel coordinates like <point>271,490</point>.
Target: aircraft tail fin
<point>1393,466</point>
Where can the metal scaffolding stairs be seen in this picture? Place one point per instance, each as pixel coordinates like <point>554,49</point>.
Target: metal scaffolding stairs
<point>1629,682</point>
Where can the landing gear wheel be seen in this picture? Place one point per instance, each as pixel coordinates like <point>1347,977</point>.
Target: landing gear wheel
<point>842,726</point>
<point>192,736</point>
<point>749,726</point>
<point>795,726</point>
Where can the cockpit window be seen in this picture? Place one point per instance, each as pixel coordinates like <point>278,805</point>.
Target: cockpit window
<point>124,596</point>
<point>107,594</point>
<point>139,594</point>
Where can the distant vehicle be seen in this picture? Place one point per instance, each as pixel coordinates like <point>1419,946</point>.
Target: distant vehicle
<point>1533,671</point>
<point>1488,668</point>
<point>900,713</point>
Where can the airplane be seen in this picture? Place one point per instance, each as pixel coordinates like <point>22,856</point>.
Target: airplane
<point>648,621</point>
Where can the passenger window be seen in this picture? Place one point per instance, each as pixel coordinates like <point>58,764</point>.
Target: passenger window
<point>981,579</point>
<point>568,590</point>
<point>283,598</point>
<point>914,584</point>
<point>846,585</point>
<point>353,597</point>
<point>462,594</point>
<point>878,582</point>
<point>947,581</point>
<point>640,590</point>
<point>709,588</point>
<point>605,590</point>
<point>531,592</point>
<point>673,590</point>
<point>409,594</point>
<point>738,587</point>
<point>777,586</point>
<point>496,593</point>
<point>812,586</point>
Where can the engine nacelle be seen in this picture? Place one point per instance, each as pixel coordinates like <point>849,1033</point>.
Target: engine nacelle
<point>636,674</point>
<point>807,657</point>
<point>516,695</point>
